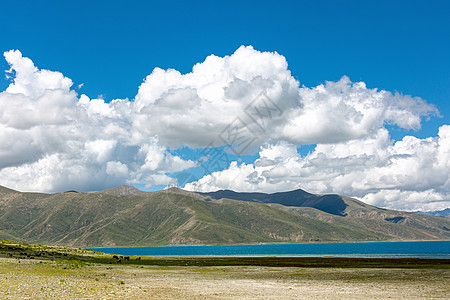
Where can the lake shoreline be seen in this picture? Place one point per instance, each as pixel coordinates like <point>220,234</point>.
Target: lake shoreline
<point>300,262</point>
<point>258,244</point>
<point>404,249</point>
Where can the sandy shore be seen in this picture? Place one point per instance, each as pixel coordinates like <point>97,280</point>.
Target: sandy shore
<point>43,279</point>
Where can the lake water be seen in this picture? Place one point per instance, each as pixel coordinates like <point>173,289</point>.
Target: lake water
<point>432,249</point>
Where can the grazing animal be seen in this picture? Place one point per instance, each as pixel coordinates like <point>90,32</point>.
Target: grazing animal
<point>115,257</point>
<point>121,257</point>
<point>138,258</point>
<point>119,261</point>
<point>127,258</point>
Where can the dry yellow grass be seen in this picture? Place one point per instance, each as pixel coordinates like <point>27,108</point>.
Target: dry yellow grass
<point>44,279</point>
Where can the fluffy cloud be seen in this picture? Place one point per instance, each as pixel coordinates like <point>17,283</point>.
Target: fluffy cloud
<point>340,111</point>
<point>411,174</point>
<point>54,139</point>
<point>194,109</point>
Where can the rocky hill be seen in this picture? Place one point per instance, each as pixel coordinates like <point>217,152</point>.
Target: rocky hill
<point>125,216</point>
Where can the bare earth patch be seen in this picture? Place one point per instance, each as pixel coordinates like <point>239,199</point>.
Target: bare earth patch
<point>44,279</point>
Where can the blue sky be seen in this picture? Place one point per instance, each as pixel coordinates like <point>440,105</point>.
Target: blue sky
<point>108,48</point>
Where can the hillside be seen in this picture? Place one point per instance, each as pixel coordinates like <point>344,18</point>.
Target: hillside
<point>347,211</point>
<point>128,217</point>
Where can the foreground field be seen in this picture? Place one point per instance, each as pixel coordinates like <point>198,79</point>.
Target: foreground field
<point>46,279</point>
<point>30,271</point>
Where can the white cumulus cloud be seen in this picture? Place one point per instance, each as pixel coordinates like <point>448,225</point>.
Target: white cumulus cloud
<point>54,139</point>
<point>194,109</point>
<point>411,174</point>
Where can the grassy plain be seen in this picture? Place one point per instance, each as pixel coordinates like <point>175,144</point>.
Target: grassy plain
<point>30,271</point>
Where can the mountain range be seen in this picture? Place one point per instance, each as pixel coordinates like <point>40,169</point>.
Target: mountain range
<point>440,213</point>
<point>125,216</point>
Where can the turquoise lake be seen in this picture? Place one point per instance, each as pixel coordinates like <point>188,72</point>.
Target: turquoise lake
<point>431,249</point>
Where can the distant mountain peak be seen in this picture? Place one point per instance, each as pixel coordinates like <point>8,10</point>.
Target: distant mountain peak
<point>123,190</point>
<point>333,204</point>
<point>439,213</point>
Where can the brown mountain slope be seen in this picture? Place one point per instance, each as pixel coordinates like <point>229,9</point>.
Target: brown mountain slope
<point>128,217</point>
